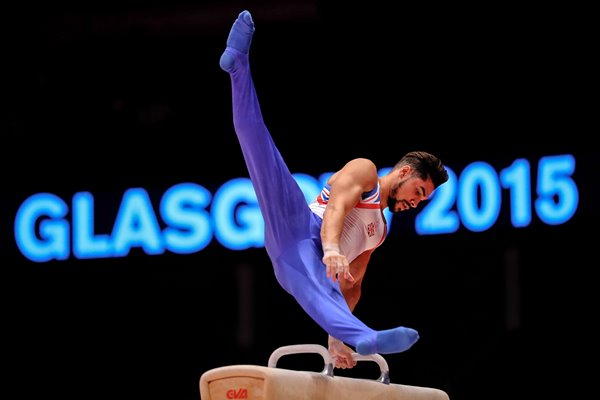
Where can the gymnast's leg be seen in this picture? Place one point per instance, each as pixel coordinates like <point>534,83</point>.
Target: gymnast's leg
<point>291,229</point>
<point>322,299</point>
<point>281,201</point>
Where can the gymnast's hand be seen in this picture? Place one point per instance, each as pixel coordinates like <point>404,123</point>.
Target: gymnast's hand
<point>336,263</point>
<point>341,353</point>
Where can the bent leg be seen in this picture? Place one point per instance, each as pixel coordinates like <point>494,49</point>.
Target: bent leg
<point>282,202</point>
<point>300,271</point>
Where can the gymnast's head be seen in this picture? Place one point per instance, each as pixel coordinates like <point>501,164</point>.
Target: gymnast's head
<point>413,179</point>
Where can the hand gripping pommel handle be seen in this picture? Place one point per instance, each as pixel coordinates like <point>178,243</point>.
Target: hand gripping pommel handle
<point>328,359</point>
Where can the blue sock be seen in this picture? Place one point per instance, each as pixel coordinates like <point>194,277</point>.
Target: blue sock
<point>389,341</point>
<point>239,39</point>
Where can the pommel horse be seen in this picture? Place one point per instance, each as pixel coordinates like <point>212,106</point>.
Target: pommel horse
<point>254,382</point>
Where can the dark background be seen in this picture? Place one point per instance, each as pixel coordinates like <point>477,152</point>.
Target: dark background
<point>107,96</point>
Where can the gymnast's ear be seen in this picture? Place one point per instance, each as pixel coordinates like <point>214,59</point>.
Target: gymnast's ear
<point>404,171</point>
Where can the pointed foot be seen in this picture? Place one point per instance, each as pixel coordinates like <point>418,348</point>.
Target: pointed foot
<point>389,341</point>
<point>239,39</point>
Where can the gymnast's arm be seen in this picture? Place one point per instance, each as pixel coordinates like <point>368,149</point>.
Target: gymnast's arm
<point>347,185</point>
<point>351,291</point>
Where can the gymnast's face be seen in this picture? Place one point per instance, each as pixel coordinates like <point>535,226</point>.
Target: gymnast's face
<point>408,190</point>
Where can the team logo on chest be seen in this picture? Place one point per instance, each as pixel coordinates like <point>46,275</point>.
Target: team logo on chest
<point>371,229</point>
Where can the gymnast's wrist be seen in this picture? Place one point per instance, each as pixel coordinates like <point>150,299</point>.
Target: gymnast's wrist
<point>332,340</point>
<point>330,249</point>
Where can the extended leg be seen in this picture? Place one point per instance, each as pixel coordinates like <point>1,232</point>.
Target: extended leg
<point>282,202</point>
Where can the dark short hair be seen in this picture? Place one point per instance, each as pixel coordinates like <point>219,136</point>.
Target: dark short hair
<point>425,165</point>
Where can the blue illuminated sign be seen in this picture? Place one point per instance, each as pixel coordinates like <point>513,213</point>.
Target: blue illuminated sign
<point>43,231</point>
<point>477,196</point>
